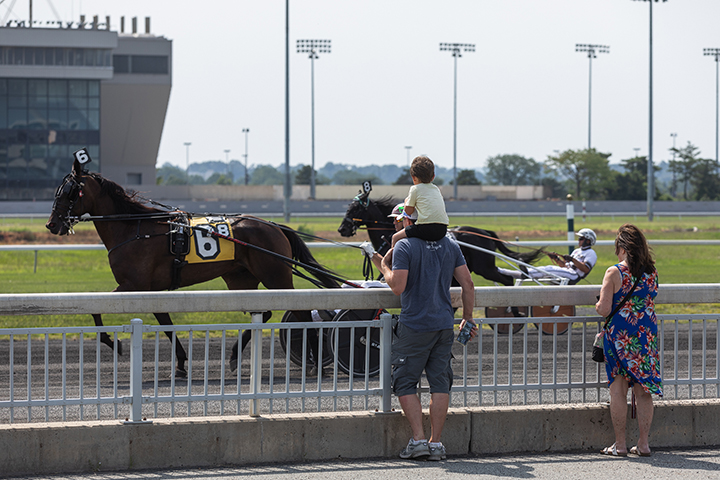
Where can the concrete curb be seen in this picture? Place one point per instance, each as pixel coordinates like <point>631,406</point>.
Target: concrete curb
<point>193,442</point>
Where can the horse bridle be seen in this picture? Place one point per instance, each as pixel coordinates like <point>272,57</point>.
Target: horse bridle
<point>72,188</point>
<point>363,200</point>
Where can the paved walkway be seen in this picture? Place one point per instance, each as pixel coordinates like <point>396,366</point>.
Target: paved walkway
<point>664,464</point>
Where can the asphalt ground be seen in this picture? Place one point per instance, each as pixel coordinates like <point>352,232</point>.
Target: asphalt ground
<point>664,464</point>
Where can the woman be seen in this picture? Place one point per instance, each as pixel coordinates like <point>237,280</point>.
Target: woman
<point>630,341</point>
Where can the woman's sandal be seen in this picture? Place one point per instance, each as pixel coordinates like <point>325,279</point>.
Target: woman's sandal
<point>636,451</point>
<point>612,451</point>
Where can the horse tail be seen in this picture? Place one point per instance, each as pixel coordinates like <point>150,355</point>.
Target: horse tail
<point>530,257</point>
<point>302,254</point>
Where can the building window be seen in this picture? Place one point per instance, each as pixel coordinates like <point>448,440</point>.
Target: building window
<point>41,123</point>
<point>156,64</point>
<point>121,63</point>
<point>141,64</point>
<point>79,57</point>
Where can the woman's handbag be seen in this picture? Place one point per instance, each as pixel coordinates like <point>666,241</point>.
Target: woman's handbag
<point>598,354</point>
<point>598,350</point>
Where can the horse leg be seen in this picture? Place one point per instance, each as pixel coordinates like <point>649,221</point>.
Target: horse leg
<point>180,371</point>
<point>314,362</point>
<point>104,337</point>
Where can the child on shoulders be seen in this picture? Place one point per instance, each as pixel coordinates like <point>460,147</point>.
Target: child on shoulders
<point>426,198</point>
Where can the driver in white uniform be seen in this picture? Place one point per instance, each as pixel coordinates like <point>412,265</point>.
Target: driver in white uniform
<point>574,266</point>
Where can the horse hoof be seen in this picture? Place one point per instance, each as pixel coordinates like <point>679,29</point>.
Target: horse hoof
<point>180,373</point>
<point>233,364</point>
<point>314,372</point>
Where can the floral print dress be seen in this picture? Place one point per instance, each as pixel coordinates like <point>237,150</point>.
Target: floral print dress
<point>631,337</point>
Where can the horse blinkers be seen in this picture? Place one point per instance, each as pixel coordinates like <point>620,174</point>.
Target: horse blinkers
<point>351,222</point>
<point>70,189</point>
<point>349,225</point>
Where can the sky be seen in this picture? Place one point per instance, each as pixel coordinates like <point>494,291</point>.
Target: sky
<point>386,85</point>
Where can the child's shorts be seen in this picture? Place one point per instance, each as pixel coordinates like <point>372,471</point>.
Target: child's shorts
<point>431,232</point>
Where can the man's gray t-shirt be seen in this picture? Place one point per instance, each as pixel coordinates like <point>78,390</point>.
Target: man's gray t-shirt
<point>426,305</point>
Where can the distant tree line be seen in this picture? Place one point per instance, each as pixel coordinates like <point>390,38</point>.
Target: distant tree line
<point>587,174</point>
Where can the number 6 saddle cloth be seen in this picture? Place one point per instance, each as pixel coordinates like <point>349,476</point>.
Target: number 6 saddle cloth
<point>205,247</point>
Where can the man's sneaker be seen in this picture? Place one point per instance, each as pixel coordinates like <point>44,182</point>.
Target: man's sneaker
<point>415,450</point>
<point>437,452</point>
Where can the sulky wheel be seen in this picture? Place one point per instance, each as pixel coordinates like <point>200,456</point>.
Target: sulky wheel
<point>296,343</point>
<point>553,311</point>
<point>506,312</point>
<point>358,349</point>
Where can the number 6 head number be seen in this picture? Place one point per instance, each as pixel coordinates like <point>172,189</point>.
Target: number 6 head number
<point>82,156</point>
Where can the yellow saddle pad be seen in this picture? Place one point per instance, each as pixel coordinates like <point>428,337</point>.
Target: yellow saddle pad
<point>205,247</point>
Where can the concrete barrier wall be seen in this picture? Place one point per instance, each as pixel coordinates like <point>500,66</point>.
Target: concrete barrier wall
<point>173,443</point>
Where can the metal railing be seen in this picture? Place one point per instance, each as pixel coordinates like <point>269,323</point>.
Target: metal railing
<point>51,374</point>
<point>83,380</point>
<point>552,368</point>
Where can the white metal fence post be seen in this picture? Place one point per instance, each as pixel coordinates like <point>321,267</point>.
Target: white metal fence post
<point>255,364</point>
<point>136,331</point>
<point>385,361</point>
<point>570,215</point>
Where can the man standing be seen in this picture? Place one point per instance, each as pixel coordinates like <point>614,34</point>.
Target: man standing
<point>421,273</point>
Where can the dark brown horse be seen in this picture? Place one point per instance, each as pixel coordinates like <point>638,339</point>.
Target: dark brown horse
<point>136,236</point>
<point>373,215</point>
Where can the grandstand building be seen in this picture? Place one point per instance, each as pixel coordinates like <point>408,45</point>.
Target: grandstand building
<point>68,86</point>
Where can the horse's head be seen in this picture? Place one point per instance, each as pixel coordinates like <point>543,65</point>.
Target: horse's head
<point>68,201</point>
<point>356,215</point>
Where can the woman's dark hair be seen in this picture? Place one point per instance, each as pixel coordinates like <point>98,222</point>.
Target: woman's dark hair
<point>639,255</point>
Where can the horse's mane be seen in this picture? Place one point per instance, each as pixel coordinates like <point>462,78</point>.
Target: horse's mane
<point>386,204</point>
<point>124,203</point>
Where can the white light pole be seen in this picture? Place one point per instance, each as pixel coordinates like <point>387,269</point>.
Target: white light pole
<point>245,131</point>
<point>456,49</point>
<point>408,155</point>
<point>313,47</point>
<point>227,163</point>
<point>674,136</point>
<point>715,52</point>
<point>591,50</point>
<point>187,162</point>
<point>650,170</point>
<point>637,149</point>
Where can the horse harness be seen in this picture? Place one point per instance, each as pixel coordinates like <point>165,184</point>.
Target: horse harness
<point>72,188</point>
<point>364,201</point>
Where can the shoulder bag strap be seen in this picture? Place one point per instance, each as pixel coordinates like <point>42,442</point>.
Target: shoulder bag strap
<point>620,305</point>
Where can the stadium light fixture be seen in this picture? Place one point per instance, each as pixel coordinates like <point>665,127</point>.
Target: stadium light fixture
<point>456,49</point>
<point>592,51</point>
<point>312,48</point>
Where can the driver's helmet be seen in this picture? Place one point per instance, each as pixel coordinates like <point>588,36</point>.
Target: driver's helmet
<point>589,234</point>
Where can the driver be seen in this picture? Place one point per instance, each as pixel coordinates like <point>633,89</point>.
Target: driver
<point>574,266</point>
<point>397,216</point>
